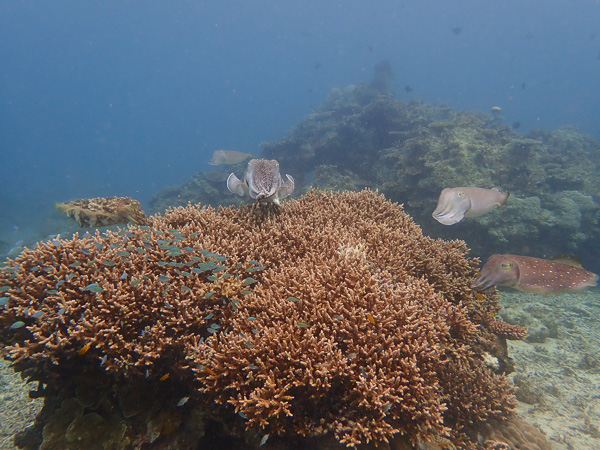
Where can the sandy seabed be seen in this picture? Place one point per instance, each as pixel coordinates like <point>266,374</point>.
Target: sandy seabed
<point>557,370</point>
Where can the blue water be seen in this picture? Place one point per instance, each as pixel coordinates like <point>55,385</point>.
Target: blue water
<point>124,98</point>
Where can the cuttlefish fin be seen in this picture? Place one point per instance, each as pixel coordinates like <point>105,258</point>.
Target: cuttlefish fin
<point>237,186</point>
<point>569,260</point>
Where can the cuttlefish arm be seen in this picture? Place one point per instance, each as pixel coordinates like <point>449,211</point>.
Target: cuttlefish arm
<point>452,206</point>
<point>499,270</point>
<point>237,186</point>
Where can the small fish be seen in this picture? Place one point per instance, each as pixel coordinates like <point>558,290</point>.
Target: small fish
<point>535,275</point>
<point>183,401</point>
<point>17,248</point>
<point>93,288</point>
<point>18,324</point>
<point>455,204</point>
<point>264,440</point>
<point>164,377</point>
<point>83,350</point>
<point>228,157</point>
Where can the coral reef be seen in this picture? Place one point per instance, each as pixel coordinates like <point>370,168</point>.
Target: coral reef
<point>411,151</point>
<point>362,136</point>
<point>330,316</point>
<point>208,188</point>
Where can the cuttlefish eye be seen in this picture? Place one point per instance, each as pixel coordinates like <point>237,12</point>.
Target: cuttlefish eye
<point>461,194</point>
<point>506,266</point>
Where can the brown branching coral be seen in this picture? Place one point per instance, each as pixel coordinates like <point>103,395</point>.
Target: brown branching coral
<point>513,332</point>
<point>331,314</point>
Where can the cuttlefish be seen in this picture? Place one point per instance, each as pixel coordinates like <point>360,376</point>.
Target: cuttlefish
<point>262,182</point>
<point>535,275</point>
<point>104,211</point>
<point>228,157</point>
<point>456,203</point>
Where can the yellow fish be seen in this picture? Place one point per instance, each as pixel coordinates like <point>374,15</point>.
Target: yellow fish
<point>228,157</point>
<point>104,211</point>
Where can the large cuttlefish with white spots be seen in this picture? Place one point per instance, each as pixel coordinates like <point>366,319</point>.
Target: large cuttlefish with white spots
<point>262,182</point>
<point>535,275</point>
<point>457,203</point>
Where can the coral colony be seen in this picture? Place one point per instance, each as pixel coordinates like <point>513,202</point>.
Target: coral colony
<point>330,320</point>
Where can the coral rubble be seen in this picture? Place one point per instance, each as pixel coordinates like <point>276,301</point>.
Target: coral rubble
<point>331,316</point>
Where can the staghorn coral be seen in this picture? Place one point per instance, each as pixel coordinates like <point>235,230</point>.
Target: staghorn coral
<point>513,332</point>
<point>330,315</point>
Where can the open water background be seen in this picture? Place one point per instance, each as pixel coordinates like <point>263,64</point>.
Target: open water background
<point>124,98</point>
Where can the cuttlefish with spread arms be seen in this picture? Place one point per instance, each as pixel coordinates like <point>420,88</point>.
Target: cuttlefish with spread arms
<point>456,203</point>
<point>262,182</point>
<point>535,275</point>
